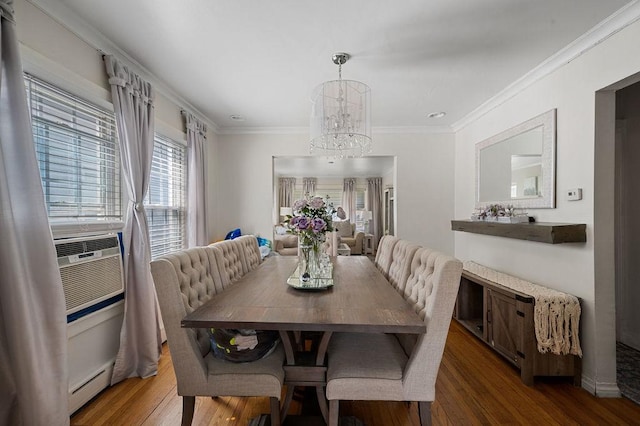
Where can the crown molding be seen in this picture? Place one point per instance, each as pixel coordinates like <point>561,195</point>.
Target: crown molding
<point>71,21</point>
<point>624,17</point>
<point>403,130</point>
<point>263,130</point>
<point>305,130</point>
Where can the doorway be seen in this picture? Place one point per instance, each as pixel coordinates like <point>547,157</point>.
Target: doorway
<point>627,240</point>
<point>329,175</point>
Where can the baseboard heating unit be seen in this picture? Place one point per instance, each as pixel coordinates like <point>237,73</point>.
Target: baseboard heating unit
<point>92,279</point>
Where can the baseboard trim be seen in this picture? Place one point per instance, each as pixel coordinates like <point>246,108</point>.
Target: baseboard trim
<point>588,384</point>
<point>608,390</point>
<point>601,389</point>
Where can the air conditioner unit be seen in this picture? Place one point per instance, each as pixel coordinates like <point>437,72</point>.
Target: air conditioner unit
<point>92,279</point>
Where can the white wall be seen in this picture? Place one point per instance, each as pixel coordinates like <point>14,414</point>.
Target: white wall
<point>567,267</point>
<point>424,192</point>
<point>53,53</point>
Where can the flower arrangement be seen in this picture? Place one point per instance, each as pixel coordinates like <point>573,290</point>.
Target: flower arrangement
<point>493,212</point>
<point>311,220</point>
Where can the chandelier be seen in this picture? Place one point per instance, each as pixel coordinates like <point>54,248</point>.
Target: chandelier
<point>341,116</point>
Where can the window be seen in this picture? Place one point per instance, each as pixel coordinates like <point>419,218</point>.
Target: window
<point>335,195</point>
<point>77,150</point>
<point>166,200</point>
<point>360,196</point>
<point>322,190</point>
<point>360,209</point>
<point>334,191</point>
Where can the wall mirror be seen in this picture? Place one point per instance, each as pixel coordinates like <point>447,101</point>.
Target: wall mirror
<point>517,166</point>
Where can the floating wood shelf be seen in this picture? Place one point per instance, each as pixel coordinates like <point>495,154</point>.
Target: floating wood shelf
<point>543,232</point>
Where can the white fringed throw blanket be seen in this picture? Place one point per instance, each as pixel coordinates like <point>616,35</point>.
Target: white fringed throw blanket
<point>556,314</point>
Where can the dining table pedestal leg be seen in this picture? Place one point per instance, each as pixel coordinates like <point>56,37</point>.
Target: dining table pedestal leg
<point>305,368</point>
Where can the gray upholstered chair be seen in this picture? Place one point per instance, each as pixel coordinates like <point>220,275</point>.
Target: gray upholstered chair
<point>185,280</point>
<point>383,255</point>
<point>348,235</point>
<point>400,266</point>
<point>251,250</point>
<point>383,367</point>
<point>284,244</point>
<point>327,246</point>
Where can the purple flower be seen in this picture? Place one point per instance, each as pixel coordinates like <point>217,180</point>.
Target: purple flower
<point>318,225</point>
<point>302,223</point>
<point>299,205</point>
<point>316,203</point>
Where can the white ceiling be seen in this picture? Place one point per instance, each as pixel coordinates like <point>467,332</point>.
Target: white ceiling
<point>329,168</point>
<point>261,59</point>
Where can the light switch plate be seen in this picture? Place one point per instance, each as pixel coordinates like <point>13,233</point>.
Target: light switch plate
<point>574,194</point>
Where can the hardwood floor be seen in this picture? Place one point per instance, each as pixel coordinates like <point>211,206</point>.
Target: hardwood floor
<point>475,387</point>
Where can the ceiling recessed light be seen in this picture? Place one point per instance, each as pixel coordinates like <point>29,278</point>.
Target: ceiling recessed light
<point>236,117</point>
<point>439,114</point>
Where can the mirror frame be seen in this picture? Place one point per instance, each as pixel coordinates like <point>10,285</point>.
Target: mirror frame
<point>548,200</point>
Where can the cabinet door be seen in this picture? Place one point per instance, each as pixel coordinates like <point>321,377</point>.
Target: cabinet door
<point>503,325</point>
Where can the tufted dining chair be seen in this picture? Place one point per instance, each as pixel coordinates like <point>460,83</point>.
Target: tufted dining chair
<point>249,244</point>
<point>231,261</point>
<point>330,245</point>
<point>185,280</point>
<point>384,252</point>
<point>382,367</point>
<point>400,266</point>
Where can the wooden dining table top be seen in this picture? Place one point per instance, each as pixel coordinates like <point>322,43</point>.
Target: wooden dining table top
<point>361,300</point>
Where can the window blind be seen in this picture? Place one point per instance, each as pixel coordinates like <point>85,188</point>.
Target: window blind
<point>335,194</point>
<point>360,195</point>
<point>77,150</point>
<point>165,203</point>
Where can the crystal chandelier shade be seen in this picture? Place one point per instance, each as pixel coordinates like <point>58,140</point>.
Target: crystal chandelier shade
<point>341,117</point>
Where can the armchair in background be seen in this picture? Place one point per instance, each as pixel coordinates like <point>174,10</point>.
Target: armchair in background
<point>284,244</point>
<point>347,234</point>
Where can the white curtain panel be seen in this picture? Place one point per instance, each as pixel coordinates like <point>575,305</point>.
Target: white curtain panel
<point>349,198</point>
<point>33,330</point>
<point>140,341</point>
<point>287,187</point>
<point>309,185</point>
<point>374,203</point>
<point>196,217</point>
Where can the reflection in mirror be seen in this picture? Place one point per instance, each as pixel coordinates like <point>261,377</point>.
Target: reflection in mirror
<point>518,166</point>
<point>526,172</point>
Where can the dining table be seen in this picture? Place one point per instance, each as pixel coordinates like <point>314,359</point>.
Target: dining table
<point>354,297</point>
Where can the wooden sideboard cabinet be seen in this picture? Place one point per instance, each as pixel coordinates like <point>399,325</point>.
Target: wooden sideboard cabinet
<point>503,318</point>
